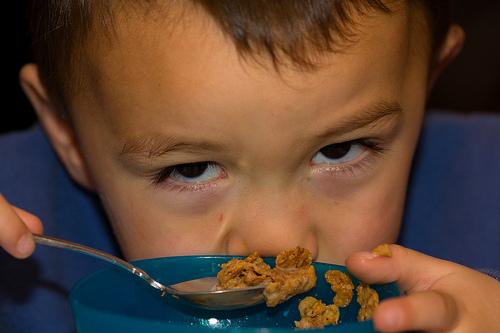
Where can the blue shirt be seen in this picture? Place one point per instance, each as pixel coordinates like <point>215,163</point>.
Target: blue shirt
<point>452,212</point>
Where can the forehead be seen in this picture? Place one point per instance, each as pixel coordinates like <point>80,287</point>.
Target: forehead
<point>155,67</point>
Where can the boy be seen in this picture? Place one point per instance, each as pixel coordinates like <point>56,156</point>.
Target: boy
<point>234,126</point>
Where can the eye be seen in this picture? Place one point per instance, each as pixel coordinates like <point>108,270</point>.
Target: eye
<point>199,172</point>
<point>339,153</point>
<point>195,172</point>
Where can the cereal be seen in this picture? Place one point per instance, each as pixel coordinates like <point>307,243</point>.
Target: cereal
<point>342,285</point>
<point>383,250</point>
<point>294,258</point>
<point>315,314</point>
<point>288,283</point>
<point>292,275</point>
<point>241,273</point>
<point>368,301</point>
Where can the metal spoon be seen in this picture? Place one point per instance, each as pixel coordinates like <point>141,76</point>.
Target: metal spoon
<point>199,292</point>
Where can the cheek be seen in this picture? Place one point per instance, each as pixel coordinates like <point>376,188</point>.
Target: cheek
<point>357,225</point>
<point>148,225</point>
<point>350,218</point>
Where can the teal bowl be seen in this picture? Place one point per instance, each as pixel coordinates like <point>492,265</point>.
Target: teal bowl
<point>112,300</point>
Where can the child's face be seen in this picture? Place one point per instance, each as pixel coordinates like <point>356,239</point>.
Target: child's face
<point>318,159</point>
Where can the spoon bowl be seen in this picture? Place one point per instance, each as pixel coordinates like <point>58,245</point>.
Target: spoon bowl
<point>202,292</point>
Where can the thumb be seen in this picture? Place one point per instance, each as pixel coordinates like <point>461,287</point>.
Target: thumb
<point>16,228</point>
<point>412,270</point>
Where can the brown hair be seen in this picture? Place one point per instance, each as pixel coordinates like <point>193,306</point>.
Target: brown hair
<point>282,29</point>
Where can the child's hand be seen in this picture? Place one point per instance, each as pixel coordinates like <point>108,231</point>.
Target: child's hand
<point>441,296</point>
<point>16,228</point>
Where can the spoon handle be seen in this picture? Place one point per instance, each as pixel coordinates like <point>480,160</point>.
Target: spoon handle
<point>64,244</point>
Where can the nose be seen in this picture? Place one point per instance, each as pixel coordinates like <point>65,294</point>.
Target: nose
<point>269,224</point>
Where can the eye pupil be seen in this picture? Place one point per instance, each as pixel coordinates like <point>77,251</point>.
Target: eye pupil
<point>192,170</point>
<point>337,150</point>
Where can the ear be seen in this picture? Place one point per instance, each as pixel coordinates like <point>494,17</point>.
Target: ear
<point>450,48</point>
<point>59,130</point>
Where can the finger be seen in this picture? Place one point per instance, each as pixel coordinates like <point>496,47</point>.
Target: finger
<point>427,311</point>
<point>15,237</point>
<point>32,222</point>
<point>413,271</point>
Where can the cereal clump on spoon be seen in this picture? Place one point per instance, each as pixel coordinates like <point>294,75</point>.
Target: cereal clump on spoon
<point>292,275</point>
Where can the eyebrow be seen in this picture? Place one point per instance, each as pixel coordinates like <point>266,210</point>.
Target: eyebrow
<point>159,145</point>
<point>368,116</point>
<point>154,146</point>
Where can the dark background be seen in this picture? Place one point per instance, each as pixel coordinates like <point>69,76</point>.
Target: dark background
<point>470,84</point>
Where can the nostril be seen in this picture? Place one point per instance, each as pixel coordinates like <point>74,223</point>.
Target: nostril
<point>235,245</point>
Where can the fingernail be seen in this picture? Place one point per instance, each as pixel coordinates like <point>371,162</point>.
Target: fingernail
<point>25,244</point>
<point>383,250</point>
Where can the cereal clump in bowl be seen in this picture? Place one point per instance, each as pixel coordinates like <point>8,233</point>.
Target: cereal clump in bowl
<point>342,285</point>
<point>294,274</point>
<point>316,314</point>
<point>368,300</point>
